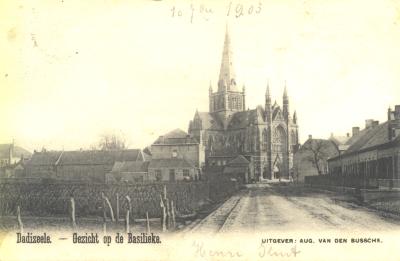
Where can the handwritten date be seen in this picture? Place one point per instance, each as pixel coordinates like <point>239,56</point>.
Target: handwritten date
<point>205,12</point>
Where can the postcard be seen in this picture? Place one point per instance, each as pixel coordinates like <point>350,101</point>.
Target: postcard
<point>200,130</point>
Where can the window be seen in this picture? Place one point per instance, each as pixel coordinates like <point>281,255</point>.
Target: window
<point>185,173</point>
<point>174,153</point>
<point>158,175</point>
<point>172,175</point>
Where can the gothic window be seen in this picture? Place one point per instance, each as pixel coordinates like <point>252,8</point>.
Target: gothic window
<point>278,139</point>
<point>210,143</point>
<point>293,137</point>
<point>264,140</point>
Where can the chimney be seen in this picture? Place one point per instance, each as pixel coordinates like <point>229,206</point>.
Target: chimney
<point>368,123</point>
<point>309,136</point>
<point>394,122</point>
<point>375,123</point>
<point>355,130</point>
<point>348,135</point>
<point>397,112</point>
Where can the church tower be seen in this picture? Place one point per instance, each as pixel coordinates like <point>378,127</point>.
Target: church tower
<point>227,99</point>
<point>267,139</point>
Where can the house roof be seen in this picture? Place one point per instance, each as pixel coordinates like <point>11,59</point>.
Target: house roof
<point>339,140</point>
<point>44,158</point>
<point>170,163</point>
<point>17,151</point>
<point>89,157</point>
<point>323,141</point>
<point>239,160</point>
<point>130,166</point>
<point>176,136</point>
<point>368,138</point>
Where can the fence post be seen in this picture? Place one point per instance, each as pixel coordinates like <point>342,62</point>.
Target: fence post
<point>127,221</point>
<point>163,218</point>
<point>173,214</point>
<point>109,206</point>
<point>21,226</point>
<point>117,207</point>
<point>147,222</point>
<point>73,213</point>
<point>130,208</point>
<point>165,191</point>
<point>104,218</point>
<point>168,216</point>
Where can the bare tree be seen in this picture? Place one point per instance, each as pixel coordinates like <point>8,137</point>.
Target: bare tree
<point>317,153</point>
<point>112,141</point>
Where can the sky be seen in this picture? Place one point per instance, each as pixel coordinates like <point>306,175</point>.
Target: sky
<point>72,70</point>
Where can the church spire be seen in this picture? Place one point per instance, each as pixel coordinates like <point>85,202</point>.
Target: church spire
<point>285,103</point>
<point>285,96</point>
<point>268,95</point>
<point>227,77</point>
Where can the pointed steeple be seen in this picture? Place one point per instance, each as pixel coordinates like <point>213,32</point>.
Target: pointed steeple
<point>285,96</point>
<point>295,117</point>
<point>285,103</point>
<point>227,76</point>
<point>268,112</point>
<point>268,95</point>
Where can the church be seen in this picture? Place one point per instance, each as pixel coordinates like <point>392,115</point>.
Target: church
<point>253,145</point>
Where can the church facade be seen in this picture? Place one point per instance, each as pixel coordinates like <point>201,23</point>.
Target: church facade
<point>266,136</point>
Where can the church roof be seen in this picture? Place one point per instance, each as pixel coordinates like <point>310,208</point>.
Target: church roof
<point>176,136</point>
<point>242,119</point>
<point>209,121</point>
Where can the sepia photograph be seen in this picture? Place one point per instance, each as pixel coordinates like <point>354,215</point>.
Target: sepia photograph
<point>199,130</point>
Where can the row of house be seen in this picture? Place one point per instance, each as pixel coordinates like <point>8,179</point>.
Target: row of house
<point>373,153</point>
<point>367,154</point>
<point>172,157</point>
<point>175,156</point>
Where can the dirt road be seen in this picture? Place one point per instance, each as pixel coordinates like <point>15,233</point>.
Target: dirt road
<point>287,209</point>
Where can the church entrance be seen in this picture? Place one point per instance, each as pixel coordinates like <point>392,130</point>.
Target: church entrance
<point>277,172</point>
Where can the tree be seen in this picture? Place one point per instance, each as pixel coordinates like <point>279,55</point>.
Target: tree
<point>112,141</point>
<point>317,153</point>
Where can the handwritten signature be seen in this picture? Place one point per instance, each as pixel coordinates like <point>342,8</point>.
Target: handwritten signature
<point>265,250</point>
<point>201,251</point>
